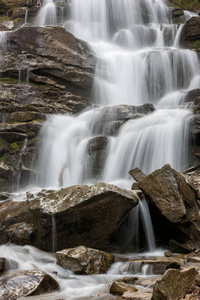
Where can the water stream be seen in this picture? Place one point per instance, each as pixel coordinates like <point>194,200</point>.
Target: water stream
<point>139,62</point>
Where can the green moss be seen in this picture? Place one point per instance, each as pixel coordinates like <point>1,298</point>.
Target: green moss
<point>185,4</point>
<point>192,45</point>
<point>17,20</point>
<point>14,146</point>
<point>9,80</point>
<point>4,157</point>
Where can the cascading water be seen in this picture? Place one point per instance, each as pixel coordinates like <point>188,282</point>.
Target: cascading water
<point>139,62</point>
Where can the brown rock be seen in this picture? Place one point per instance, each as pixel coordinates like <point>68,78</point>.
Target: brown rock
<point>175,200</point>
<point>17,284</point>
<point>83,260</point>
<point>81,214</point>
<point>191,30</point>
<point>2,262</point>
<point>137,174</point>
<point>119,288</point>
<point>174,284</point>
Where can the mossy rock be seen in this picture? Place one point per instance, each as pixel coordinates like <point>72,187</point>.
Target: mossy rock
<point>185,4</point>
<point>14,146</point>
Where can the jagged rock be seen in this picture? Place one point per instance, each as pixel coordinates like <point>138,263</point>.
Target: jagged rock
<point>174,199</point>
<point>137,174</point>
<point>17,284</point>
<point>81,214</point>
<point>174,284</point>
<point>119,287</point>
<point>83,260</point>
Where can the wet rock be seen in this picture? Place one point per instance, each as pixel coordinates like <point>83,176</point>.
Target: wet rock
<point>177,13</point>
<point>81,214</point>
<point>174,199</point>
<point>109,119</point>
<point>192,95</point>
<point>190,34</point>
<point>155,265</point>
<point>96,150</point>
<point>137,174</point>
<point>83,260</point>
<point>2,262</point>
<point>174,284</point>
<point>119,287</point>
<point>17,284</point>
<point>137,296</point>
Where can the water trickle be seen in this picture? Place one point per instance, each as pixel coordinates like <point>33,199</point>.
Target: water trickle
<point>53,233</point>
<point>20,164</point>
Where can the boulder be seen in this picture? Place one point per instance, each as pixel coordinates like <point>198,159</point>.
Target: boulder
<point>120,286</point>
<point>73,216</point>
<point>137,174</point>
<point>173,198</point>
<point>17,284</point>
<point>174,284</point>
<point>83,260</point>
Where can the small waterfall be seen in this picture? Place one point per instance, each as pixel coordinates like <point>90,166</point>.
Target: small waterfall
<point>128,233</point>
<point>20,164</point>
<point>47,14</point>
<point>24,69</point>
<point>147,224</point>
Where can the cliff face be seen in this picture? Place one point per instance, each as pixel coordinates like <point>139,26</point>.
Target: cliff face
<point>43,70</point>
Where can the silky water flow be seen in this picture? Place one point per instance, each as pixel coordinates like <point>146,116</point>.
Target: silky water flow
<point>139,61</point>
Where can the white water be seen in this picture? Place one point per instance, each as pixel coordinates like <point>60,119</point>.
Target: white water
<point>73,287</point>
<point>139,62</point>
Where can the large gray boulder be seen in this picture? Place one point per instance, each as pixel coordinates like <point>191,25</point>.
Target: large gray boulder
<point>78,215</point>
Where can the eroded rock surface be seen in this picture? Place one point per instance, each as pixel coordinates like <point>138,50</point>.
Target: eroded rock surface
<point>17,284</point>
<point>83,260</point>
<point>174,284</point>
<point>83,215</point>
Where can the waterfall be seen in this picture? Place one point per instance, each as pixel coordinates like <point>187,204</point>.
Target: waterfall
<point>128,233</point>
<point>139,61</point>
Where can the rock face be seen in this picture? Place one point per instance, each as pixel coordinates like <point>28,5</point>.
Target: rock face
<point>26,283</point>
<point>190,34</point>
<point>83,260</point>
<point>78,215</point>
<point>174,199</point>
<point>174,284</point>
<point>43,70</point>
